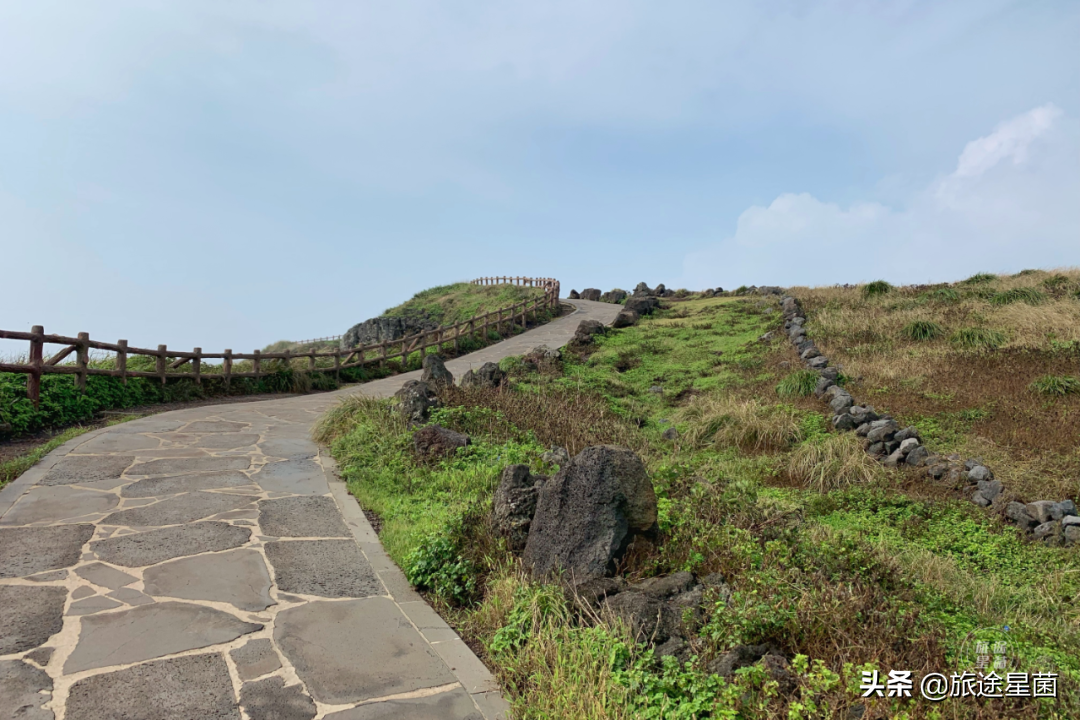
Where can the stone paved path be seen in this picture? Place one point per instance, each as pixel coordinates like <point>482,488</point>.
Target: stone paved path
<point>208,563</point>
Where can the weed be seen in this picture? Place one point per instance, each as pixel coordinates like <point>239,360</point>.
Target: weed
<point>974,338</point>
<point>437,565</point>
<point>800,383</point>
<point>1056,385</point>
<point>878,287</point>
<point>944,294</point>
<point>833,461</point>
<point>980,279</point>
<point>745,424</point>
<point>921,330</point>
<point>1029,295</point>
<point>1055,281</point>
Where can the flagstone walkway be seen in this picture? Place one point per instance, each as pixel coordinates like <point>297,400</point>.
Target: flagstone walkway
<point>208,563</point>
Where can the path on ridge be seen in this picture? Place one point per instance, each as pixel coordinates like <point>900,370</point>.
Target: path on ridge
<point>200,561</point>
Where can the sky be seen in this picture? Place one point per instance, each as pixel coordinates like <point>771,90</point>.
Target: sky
<point>230,174</point>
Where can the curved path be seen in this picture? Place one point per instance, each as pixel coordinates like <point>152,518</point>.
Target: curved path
<point>208,563</point>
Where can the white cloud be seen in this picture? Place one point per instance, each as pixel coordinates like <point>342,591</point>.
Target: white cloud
<point>986,215</point>
<point>1010,139</point>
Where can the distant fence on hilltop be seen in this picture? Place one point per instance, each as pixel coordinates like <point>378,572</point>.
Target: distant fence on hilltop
<point>176,364</point>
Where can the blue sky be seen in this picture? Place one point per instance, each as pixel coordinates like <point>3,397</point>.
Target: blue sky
<point>229,174</point>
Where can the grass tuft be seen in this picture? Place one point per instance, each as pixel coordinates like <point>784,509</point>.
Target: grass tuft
<point>1029,295</point>
<point>746,424</point>
<point>878,287</point>
<point>944,295</point>
<point>800,383</point>
<point>1056,385</point>
<point>978,338</point>
<point>922,330</point>
<point>980,279</point>
<point>833,461</point>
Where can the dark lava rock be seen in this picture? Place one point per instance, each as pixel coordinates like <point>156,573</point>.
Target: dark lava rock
<point>435,441</point>
<point>435,373</point>
<point>515,504</point>
<point>416,400</point>
<point>487,375</point>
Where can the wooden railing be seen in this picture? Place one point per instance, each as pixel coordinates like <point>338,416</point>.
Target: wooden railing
<point>177,364</point>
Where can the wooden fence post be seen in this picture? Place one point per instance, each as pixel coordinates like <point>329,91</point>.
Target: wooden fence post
<point>82,360</point>
<point>227,363</point>
<point>337,365</point>
<point>121,360</point>
<point>161,357</point>
<point>33,380</point>
<point>256,363</point>
<point>196,366</point>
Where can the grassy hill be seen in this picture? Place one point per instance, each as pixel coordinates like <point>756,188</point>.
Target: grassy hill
<point>840,564</point>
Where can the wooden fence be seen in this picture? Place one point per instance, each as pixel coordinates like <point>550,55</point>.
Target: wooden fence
<point>174,364</point>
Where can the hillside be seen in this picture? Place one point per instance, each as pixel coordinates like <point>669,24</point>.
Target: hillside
<point>815,562</point>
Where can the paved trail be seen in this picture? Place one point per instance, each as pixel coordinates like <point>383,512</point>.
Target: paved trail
<point>206,562</point>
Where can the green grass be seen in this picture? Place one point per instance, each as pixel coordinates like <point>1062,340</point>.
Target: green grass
<point>1056,385</point>
<point>921,330</point>
<point>878,287</point>
<point>1028,295</point>
<point>451,304</point>
<point>975,338</point>
<point>800,383</point>
<point>980,279</point>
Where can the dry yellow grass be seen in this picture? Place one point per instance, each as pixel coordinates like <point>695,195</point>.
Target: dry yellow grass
<point>833,462</point>
<point>746,424</point>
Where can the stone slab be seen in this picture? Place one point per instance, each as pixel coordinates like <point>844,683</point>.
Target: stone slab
<point>54,504</point>
<point>51,576</point>
<point>302,517</point>
<point>450,705</point>
<point>29,615</point>
<point>111,442</point>
<point>154,546</point>
<point>104,576</point>
<point>255,659</point>
<point>92,605</point>
<point>87,469</point>
<point>296,477</point>
<point>270,699</point>
<point>227,441</point>
<point>41,656</point>
<point>184,466</point>
<point>356,650</point>
<point>238,577</point>
<point>192,687</point>
<point>151,631</point>
<point>176,510</point>
<point>170,485</point>
<point>28,550</point>
<point>215,426</point>
<point>327,568</point>
<point>131,596</point>
<point>23,690</point>
<point>289,449</point>
<point>82,591</point>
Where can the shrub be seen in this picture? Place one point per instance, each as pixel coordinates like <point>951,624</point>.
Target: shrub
<point>978,338</point>
<point>980,279</point>
<point>748,425</point>
<point>878,287</point>
<point>798,384</point>
<point>438,567</point>
<point>1056,385</point>
<point>922,330</point>
<point>1031,296</point>
<point>1055,281</point>
<point>832,461</point>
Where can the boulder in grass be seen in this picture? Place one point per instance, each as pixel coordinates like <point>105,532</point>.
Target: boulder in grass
<point>585,331</point>
<point>590,294</point>
<point>488,375</point>
<point>415,401</point>
<point>626,318</point>
<point>515,504</point>
<point>1018,513</point>
<point>642,290</point>
<point>435,441</point>
<point>588,514</point>
<point>435,373</point>
<point>613,296</point>
<point>574,295</point>
<point>644,305</point>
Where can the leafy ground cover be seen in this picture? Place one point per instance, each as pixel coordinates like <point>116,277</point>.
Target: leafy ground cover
<point>843,571</point>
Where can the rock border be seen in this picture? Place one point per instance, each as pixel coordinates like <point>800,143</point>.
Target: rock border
<point>1054,523</point>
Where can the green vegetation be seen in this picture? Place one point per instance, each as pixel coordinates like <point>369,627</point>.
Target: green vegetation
<point>976,338</point>
<point>1029,295</point>
<point>450,304</point>
<point>839,564</point>
<point>800,383</point>
<point>980,279</point>
<point>1056,385</point>
<point>922,330</point>
<point>878,287</point>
